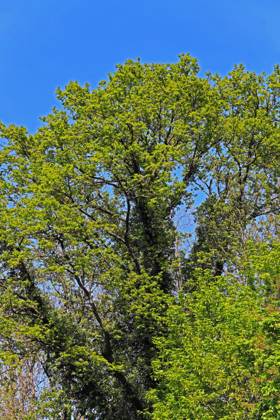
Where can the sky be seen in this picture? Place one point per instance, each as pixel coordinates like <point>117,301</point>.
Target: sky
<point>45,43</point>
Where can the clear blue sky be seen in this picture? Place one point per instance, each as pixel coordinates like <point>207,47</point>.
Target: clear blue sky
<point>46,43</point>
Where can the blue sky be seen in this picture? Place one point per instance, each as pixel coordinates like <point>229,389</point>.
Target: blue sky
<point>46,43</point>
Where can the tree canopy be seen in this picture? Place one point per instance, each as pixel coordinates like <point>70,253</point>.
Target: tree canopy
<point>121,313</point>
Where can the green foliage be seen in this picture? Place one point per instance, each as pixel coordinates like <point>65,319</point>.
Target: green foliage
<point>91,269</point>
<point>220,358</point>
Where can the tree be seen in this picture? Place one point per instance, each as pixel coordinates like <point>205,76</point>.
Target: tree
<point>88,209</point>
<point>19,382</point>
<point>220,358</point>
